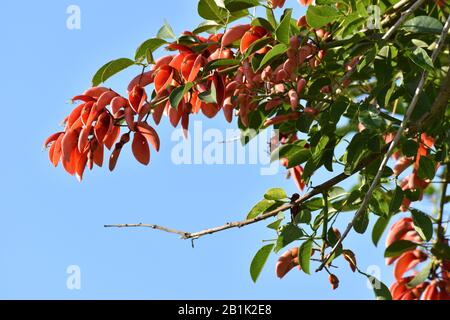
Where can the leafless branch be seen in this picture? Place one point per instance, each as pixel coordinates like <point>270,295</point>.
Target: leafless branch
<point>239,224</point>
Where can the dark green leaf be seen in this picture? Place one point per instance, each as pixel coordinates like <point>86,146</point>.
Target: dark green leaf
<point>381,290</point>
<point>178,93</point>
<point>427,168</point>
<point>397,200</point>
<point>422,224</point>
<point>421,58</point>
<point>399,247</point>
<point>441,251</point>
<point>423,24</point>
<point>378,229</point>
<point>362,222</point>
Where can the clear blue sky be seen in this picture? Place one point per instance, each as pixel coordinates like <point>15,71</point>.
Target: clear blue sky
<point>49,221</point>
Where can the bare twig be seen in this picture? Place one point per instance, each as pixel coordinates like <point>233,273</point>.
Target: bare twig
<point>239,224</point>
<point>394,143</point>
<point>151,226</point>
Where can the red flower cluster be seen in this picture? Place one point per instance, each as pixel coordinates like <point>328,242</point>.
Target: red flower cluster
<point>436,289</point>
<point>187,80</point>
<point>93,125</point>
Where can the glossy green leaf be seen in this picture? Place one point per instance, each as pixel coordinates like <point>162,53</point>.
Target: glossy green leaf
<point>275,52</point>
<point>319,16</point>
<point>275,194</point>
<point>304,256</point>
<point>151,44</point>
<point>260,208</point>
<point>399,247</point>
<point>110,69</point>
<point>259,261</point>
<point>422,224</point>
<point>283,32</point>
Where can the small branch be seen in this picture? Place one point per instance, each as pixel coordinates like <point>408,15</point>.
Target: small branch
<point>239,224</point>
<point>151,226</point>
<point>402,19</point>
<point>440,217</point>
<point>437,110</point>
<point>394,143</point>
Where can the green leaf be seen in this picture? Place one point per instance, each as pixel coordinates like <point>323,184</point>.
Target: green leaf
<point>421,58</point>
<point>380,289</point>
<point>362,222</point>
<point>275,194</point>
<point>209,10</point>
<point>275,52</point>
<point>289,234</point>
<point>275,225</point>
<point>410,148</point>
<point>98,77</point>
<point>221,63</point>
<point>423,24</point>
<point>399,247</point>
<point>110,69</point>
<point>441,251</point>
<point>304,256</point>
<point>166,32</point>
<point>207,26</point>
<point>209,96</point>
<point>257,45</point>
<point>295,154</point>
<point>422,224</point>
<point>427,168</point>
<point>239,5</point>
<point>422,276</point>
<point>397,200</point>
<point>283,32</point>
<point>178,93</point>
<point>151,44</point>
<point>378,229</point>
<point>263,23</point>
<point>260,208</point>
<point>319,16</point>
<point>259,261</point>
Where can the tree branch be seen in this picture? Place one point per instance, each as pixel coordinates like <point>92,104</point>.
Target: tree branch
<point>437,110</point>
<point>394,143</point>
<point>239,224</point>
<point>440,217</point>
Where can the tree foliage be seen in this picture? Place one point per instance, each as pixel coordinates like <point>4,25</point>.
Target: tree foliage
<point>367,77</point>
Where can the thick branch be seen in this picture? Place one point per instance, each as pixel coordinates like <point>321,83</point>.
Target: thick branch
<point>393,145</point>
<point>239,224</point>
